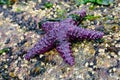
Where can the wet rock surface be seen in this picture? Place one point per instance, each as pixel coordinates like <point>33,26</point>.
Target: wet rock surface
<point>95,60</point>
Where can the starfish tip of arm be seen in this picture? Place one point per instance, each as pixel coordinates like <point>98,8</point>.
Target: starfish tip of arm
<point>27,57</point>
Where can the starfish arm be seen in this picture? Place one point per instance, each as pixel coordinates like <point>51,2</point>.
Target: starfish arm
<point>81,13</point>
<point>43,45</point>
<point>46,26</point>
<point>82,33</point>
<point>65,51</point>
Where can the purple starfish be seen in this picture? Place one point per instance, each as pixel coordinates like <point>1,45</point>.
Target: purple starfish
<point>59,34</point>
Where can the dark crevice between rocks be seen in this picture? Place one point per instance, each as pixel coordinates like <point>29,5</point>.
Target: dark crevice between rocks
<point>29,24</point>
<point>22,42</point>
<point>21,52</point>
<point>38,69</point>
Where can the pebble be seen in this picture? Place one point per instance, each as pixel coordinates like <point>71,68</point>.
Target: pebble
<point>119,53</point>
<point>118,23</point>
<point>5,76</point>
<point>112,54</point>
<point>3,53</point>
<point>5,66</point>
<point>11,74</point>
<point>52,62</point>
<point>38,69</point>
<point>39,6</point>
<point>86,64</point>
<point>101,50</point>
<point>117,45</point>
<point>118,4</point>
<point>76,50</point>
<point>107,45</point>
<point>20,52</point>
<point>91,64</point>
<point>108,57</point>
<point>40,32</point>
<point>7,41</point>
<point>100,28</point>
<point>41,68</point>
<point>95,22</point>
<point>114,69</point>
<point>22,42</point>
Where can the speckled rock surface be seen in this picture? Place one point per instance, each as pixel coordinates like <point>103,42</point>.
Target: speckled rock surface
<point>95,60</point>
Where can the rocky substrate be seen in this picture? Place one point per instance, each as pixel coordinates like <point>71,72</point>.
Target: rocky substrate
<point>94,60</point>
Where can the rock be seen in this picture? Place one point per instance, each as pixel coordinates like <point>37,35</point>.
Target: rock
<point>37,69</point>
<point>95,22</point>
<point>39,6</point>
<point>6,13</point>
<point>1,8</point>
<point>52,62</point>
<point>11,74</point>
<point>103,73</point>
<point>5,76</point>
<point>21,52</point>
<point>118,41</point>
<point>119,24</point>
<point>22,42</point>
<point>7,41</point>
<point>100,28</point>
<point>112,49</point>
<point>40,32</point>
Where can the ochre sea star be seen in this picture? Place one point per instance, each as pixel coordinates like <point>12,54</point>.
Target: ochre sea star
<point>59,34</point>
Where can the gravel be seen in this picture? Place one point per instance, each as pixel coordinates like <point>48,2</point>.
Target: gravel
<point>94,60</point>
